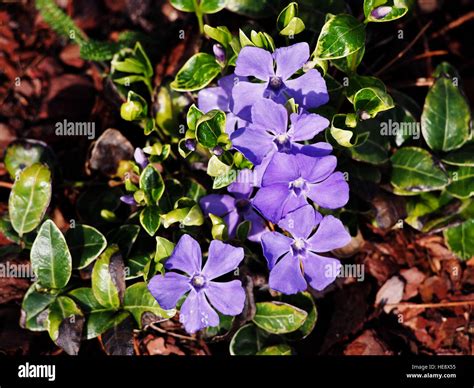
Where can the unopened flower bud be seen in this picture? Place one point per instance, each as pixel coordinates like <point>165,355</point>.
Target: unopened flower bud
<point>190,144</point>
<point>217,150</point>
<point>219,52</point>
<point>131,110</point>
<point>380,12</point>
<point>140,158</point>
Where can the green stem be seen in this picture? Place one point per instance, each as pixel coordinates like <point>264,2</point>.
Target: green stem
<point>197,10</point>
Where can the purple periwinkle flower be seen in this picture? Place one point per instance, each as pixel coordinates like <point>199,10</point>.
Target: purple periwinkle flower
<point>269,133</point>
<point>140,158</point>
<point>381,12</point>
<point>295,261</point>
<point>198,283</point>
<point>220,97</point>
<point>275,70</point>
<point>128,199</point>
<point>289,180</point>
<point>219,52</point>
<point>190,144</point>
<point>237,207</point>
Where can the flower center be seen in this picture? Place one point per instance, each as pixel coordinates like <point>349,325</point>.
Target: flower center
<point>282,142</point>
<point>198,281</point>
<point>275,83</point>
<point>242,205</point>
<point>299,246</point>
<point>299,186</point>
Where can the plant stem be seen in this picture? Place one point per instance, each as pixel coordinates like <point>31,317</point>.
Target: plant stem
<point>197,10</point>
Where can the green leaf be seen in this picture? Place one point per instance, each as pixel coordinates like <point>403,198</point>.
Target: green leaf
<point>220,34</point>
<point>197,73</point>
<point>343,133</point>
<point>23,153</point>
<point>252,8</point>
<point>393,11</point>
<point>373,147</point>
<point>85,244</point>
<point>183,5</point>
<point>276,350</point>
<point>124,236</point>
<point>150,219</point>
<point>341,36</point>
<point>372,101</point>
<point>414,170</point>
<point>50,257</point>
<point>278,317</point>
<point>193,115</point>
<point>358,82</point>
<point>187,216</point>
<point>445,121</point>
<point>247,341</point>
<point>107,282</point>
<point>304,301</point>
<point>164,248</point>
<point>65,323</point>
<point>152,184</point>
<point>460,239</point>
<point>219,228</point>
<point>212,6</point>
<point>461,157</point>
<point>294,27</point>
<point>349,63</point>
<point>210,127</point>
<point>243,230</point>
<point>462,182</point>
<point>34,305</point>
<point>217,168</point>
<point>29,198</point>
<point>143,306</point>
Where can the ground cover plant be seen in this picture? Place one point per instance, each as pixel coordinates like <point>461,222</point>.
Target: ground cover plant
<point>243,177</point>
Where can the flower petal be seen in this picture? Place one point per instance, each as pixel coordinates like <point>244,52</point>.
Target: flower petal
<point>255,62</point>
<point>286,276</point>
<point>320,271</point>
<point>244,95</point>
<point>186,257</point>
<point>306,126</point>
<point>330,235</point>
<point>254,144</point>
<point>213,98</point>
<point>314,150</point>
<point>196,313</point>
<point>268,115</point>
<point>274,246</point>
<point>301,222</point>
<point>258,225</point>
<point>290,59</point>
<point>282,169</point>
<point>232,220</point>
<point>227,298</point>
<point>316,169</point>
<point>168,289</point>
<point>275,201</point>
<point>309,90</point>
<point>217,204</point>
<point>243,186</point>
<point>331,193</point>
<point>222,259</point>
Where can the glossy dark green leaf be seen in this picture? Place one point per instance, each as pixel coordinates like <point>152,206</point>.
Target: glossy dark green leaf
<point>342,35</point>
<point>183,5</point>
<point>65,324</point>
<point>247,341</point>
<point>196,73</point>
<point>414,170</point>
<point>373,146</point>
<point>462,182</point>
<point>252,8</point>
<point>461,157</point>
<point>124,236</point>
<point>150,219</point>
<point>278,317</point>
<point>210,127</point>
<point>50,257</point>
<point>152,184</point>
<point>276,350</point>
<point>212,6</point>
<point>143,306</point>
<point>460,239</point>
<point>349,63</point>
<point>108,281</point>
<point>445,122</point>
<point>85,243</point>
<point>29,198</point>
<point>358,82</point>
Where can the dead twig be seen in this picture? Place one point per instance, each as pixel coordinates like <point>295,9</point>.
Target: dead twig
<point>432,305</point>
<point>454,24</point>
<point>170,333</point>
